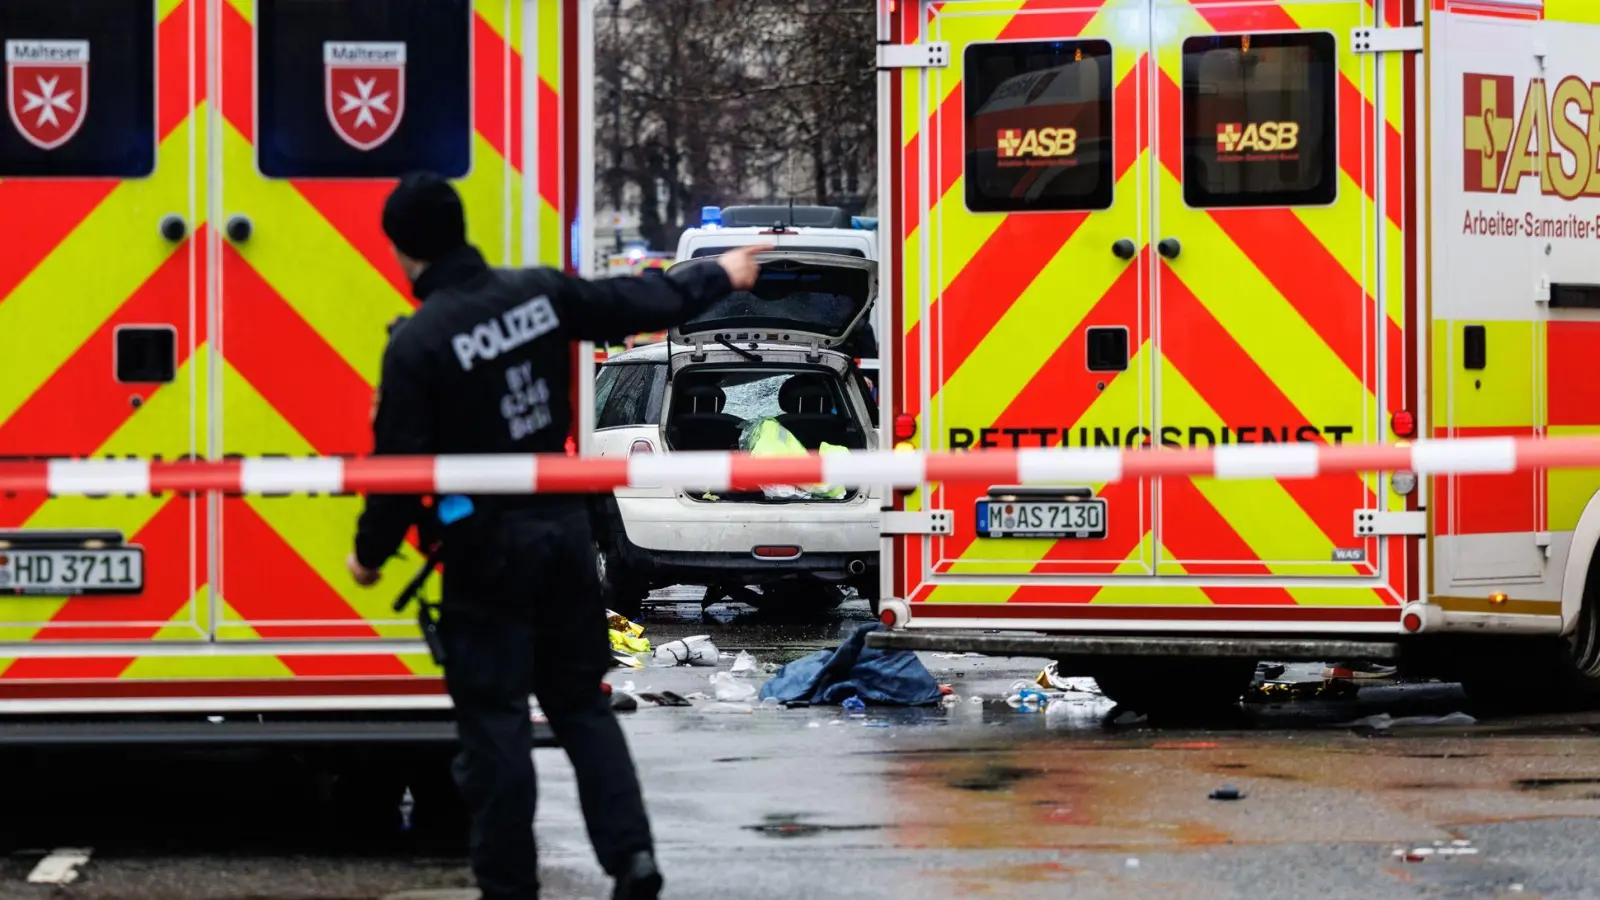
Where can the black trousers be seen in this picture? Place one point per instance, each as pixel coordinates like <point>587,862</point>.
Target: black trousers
<point>522,613</point>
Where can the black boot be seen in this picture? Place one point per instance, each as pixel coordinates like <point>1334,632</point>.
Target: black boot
<point>640,879</point>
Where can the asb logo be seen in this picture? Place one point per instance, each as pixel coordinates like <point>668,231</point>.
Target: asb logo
<point>47,89</point>
<point>1037,143</point>
<point>365,86</point>
<point>1257,137</point>
<point>1489,104</point>
<point>1501,144</point>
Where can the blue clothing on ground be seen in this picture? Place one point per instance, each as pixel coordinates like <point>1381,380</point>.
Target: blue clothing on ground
<point>828,677</point>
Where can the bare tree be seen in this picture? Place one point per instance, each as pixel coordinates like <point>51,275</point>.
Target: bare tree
<point>709,102</point>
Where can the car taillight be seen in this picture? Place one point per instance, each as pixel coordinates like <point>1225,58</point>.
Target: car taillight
<point>775,551</point>
<point>641,446</point>
<point>572,447</point>
<point>1403,424</point>
<point>905,427</point>
<point>887,617</point>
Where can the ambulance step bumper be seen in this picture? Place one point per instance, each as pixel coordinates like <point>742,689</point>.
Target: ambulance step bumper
<point>1077,647</point>
<point>52,731</point>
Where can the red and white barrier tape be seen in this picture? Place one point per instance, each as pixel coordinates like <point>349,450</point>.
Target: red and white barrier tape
<point>556,473</point>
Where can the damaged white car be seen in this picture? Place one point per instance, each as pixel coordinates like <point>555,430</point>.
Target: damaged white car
<point>758,372</point>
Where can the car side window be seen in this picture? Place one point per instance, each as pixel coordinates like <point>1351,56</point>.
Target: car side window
<point>625,404</point>
<point>605,381</point>
<point>658,393</point>
<point>868,385</point>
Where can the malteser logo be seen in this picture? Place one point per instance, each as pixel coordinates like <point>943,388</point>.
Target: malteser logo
<point>1037,143</point>
<point>1490,106</point>
<point>1235,138</point>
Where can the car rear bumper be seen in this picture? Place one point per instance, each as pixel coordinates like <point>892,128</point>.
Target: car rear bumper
<point>670,526</point>
<point>666,566</point>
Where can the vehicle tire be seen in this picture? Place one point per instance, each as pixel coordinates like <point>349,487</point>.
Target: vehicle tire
<point>1170,688</point>
<point>1541,674</point>
<point>622,590</point>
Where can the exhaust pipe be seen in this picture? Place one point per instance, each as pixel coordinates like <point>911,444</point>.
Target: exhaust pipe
<point>856,567</point>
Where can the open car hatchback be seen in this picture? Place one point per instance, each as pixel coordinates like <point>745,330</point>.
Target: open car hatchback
<point>763,358</point>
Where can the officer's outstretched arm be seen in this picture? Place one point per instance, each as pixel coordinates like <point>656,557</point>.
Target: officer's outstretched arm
<point>611,308</point>
<point>403,426</point>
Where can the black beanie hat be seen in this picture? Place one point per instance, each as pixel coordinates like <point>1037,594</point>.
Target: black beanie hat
<point>423,217</point>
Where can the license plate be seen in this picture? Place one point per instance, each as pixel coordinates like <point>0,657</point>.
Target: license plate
<point>112,570</point>
<point>1042,518</point>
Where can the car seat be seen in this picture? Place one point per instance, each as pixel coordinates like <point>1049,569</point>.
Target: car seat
<point>807,402</point>
<point>702,425</point>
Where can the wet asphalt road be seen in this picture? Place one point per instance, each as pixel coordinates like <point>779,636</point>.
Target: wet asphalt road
<point>979,800</point>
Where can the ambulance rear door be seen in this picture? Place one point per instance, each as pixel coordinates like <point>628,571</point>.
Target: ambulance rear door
<point>102,325</point>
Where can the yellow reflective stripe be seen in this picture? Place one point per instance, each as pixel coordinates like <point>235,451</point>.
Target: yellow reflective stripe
<point>1501,395</point>
<point>245,8</point>
<point>161,424</point>
<point>494,14</point>
<point>1176,23</point>
<point>1582,11</point>
<point>1251,309</point>
<point>90,274</point>
<point>1128,595</point>
<point>1277,530</point>
<point>190,622</point>
<point>1338,18</point>
<point>485,193</point>
<point>1568,490</point>
<point>206,667</point>
<point>317,529</point>
<point>550,44</point>
<point>1014,351</point>
<point>962,24</point>
<point>1114,408</point>
<point>164,8</point>
<point>342,296</point>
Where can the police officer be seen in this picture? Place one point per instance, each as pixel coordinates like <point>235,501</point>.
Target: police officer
<point>484,366</point>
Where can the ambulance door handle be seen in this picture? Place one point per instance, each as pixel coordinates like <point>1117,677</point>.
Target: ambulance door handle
<point>173,227</point>
<point>239,229</point>
<point>1169,247</point>
<point>1124,249</point>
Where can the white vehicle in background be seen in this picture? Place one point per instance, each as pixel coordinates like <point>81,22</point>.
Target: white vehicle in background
<point>807,229</point>
<point>701,391</point>
<point>797,229</point>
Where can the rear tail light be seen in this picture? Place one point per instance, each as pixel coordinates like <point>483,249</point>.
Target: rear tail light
<point>905,427</point>
<point>775,551</point>
<point>641,446</point>
<point>1403,424</point>
<point>572,447</point>
<point>887,617</point>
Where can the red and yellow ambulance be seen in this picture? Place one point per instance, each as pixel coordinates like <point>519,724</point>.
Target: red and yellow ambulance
<point>193,266</point>
<point>1175,223</point>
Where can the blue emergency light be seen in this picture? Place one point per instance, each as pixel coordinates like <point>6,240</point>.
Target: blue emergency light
<point>710,216</point>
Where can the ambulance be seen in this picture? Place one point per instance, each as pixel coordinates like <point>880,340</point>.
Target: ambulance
<point>1202,223</point>
<point>193,266</point>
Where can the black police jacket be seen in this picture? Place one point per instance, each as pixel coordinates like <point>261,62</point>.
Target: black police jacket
<point>485,364</point>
